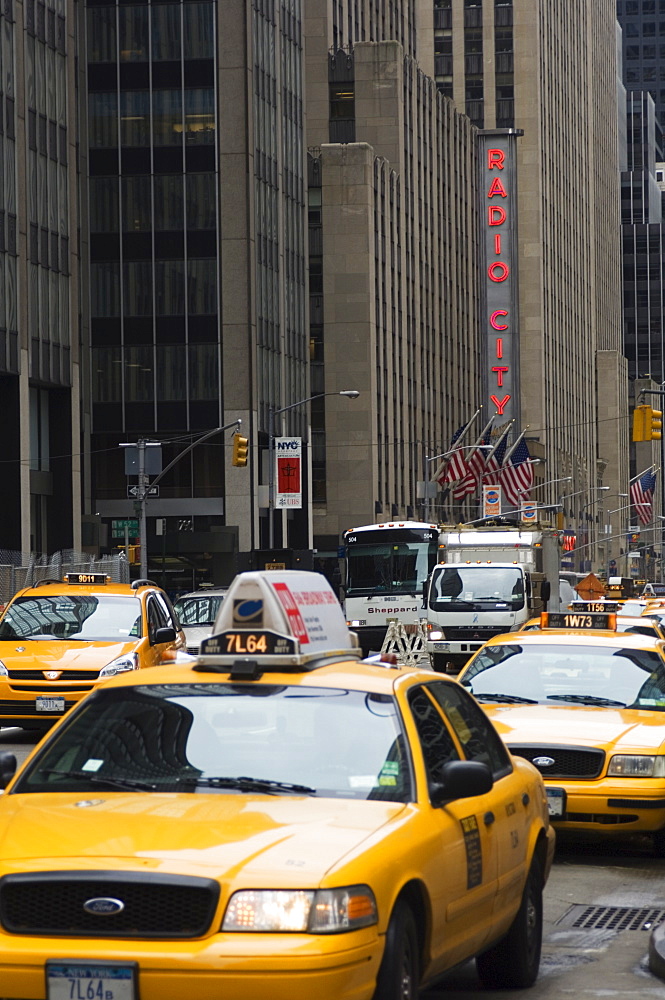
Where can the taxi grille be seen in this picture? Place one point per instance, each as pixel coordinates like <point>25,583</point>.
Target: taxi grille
<point>66,675</point>
<point>52,903</point>
<point>568,762</point>
<point>53,691</point>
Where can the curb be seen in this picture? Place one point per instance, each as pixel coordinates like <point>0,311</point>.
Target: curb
<point>657,951</point>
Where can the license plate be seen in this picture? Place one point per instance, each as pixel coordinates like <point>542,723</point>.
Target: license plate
<point>556,801</point>
<point>74,981</point>
<point>441,646</point>
<point>50,704</point>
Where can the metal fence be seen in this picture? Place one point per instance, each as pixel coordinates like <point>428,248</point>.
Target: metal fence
<point>20,569</point>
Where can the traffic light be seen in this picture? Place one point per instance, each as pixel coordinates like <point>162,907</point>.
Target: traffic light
<point>134,553</point>
<point>240,448</point>
<point>647,423</point>
<point>642,423</point>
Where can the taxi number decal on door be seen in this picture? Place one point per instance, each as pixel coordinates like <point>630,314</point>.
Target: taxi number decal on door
<point>474,854</point>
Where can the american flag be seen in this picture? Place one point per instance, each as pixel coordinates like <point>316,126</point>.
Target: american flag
<point>475,465</point>
<point>641,495</point>
<point>495,460</point>
<point>455,467</point>
<point>517,475</point>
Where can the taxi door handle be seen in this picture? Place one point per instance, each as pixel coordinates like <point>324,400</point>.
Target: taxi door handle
<point>488,818</point>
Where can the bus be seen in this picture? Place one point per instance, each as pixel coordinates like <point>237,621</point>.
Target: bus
<point>387,566</point>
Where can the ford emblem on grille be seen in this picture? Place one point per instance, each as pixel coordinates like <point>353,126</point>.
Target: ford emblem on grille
<point>51,675</point>
<point>103,906</point>
<point>543,761</point>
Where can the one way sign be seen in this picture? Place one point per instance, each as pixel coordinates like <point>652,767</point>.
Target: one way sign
<point>150,491</point>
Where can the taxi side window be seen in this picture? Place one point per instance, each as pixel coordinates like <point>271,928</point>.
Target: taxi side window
<point>167,611</point>
<point>436,741</point>
<point>156,617</point>
<point>480,741</point>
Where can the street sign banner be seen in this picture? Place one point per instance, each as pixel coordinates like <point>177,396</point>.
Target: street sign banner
<point>118,527</point>
<point>288,453</point>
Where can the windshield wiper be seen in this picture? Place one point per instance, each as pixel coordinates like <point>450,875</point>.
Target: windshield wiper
<point>586,699</point>
<point>244,784</point>
<point>511,699</point>
<point>133,784</point>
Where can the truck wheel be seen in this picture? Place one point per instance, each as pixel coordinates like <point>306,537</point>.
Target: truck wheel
<point>513,963</point>
<point>399,974</point>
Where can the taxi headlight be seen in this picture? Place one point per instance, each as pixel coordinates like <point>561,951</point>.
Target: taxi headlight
<point>120,665</point>
<point>3,670</point>
<point>436,634</point>
<point>326,911</point>
<point>636,766</point>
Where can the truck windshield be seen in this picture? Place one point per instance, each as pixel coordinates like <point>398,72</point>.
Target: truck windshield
<point>389,567</point>
<point>477,588</point>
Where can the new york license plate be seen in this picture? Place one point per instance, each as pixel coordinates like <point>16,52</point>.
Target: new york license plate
<point>556,801</point>
<point>77,981</point>
<point>50,704</point>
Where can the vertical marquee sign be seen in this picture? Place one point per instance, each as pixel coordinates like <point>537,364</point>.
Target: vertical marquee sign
<point>499,293</point>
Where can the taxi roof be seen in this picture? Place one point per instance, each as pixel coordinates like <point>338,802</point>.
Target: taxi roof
<point>588,637</point>
<point>59,588</point>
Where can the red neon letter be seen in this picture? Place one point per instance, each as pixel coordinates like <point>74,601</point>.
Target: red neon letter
<point>495,158</point>
<point>499,347</point>
<point>497,187</point>
<point>497,244</point>
<point>499,375</point>
<point>493,322</point>
<point>496,215</point>
<point>500,404</point>
<point>498,271</point>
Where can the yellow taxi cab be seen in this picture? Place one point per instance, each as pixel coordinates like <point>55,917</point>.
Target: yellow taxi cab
<point>641,625</point>
<point>60,638</point>
<point>586,705</point>
<point>273,819</point>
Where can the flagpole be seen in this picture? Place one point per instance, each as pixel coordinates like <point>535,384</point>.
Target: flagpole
<point>441,466</point>
<point>640,474</point>
<point>512,448</point>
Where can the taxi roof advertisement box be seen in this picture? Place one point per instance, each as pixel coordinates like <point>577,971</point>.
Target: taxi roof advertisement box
<point>291,602</point>
<point>288,457</point>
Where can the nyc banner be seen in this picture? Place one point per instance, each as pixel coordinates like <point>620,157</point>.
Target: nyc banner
<point>288,455</point>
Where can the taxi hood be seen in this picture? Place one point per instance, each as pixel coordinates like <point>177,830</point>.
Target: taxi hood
<point>61,654</point>
<point>267,840</point>
<point>622,729</point>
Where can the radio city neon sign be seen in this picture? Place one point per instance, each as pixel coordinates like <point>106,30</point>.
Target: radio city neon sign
<point>498,271</point>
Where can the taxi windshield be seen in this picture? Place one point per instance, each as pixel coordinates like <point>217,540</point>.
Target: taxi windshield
<point>237,738</point>
<point>107,618</point>
<point>555,673</point>
<point>198,610</point>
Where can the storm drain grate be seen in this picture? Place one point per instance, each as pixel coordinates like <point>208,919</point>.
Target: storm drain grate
<point>612,918</point>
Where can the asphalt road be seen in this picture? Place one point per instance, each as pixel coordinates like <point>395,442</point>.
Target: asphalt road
<point>600,904</point>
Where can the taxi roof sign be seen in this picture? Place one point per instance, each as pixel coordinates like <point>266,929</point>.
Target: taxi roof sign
<point>278,619</point>
<point>582,619</point>
<point>94,579</point>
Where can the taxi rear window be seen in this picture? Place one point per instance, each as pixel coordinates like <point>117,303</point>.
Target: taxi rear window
<point>548,672</point>
<point>200,737</point>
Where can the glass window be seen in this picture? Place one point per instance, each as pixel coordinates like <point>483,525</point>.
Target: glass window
<point>201,202</point>
<point>436,742</point>
<point>199,116</point>
<point>202,287</point>
<point>106,374</point>
<point>199,30</point>
<point>136,214</point>
<point>101,35</point>
<point>169,201</point>
<point>133,33</point>
<point>103,120</point>
<point>104,205</point>
<point>73,617</point>
<point>105,289</point>
<point>170,287</point>
<point>167,117</point>
<point>138,288</point>
<point>166,31</point>
<point>139,382</point>
<point>171,372</point>
<point>473,729</point>
<point>135,118</point>
<point>203,372</point>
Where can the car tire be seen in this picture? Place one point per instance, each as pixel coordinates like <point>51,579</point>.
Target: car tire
<point>399,974</point>
<point>513,963</point>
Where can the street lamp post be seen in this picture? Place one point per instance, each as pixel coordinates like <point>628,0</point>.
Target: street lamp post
<point>272,413</point>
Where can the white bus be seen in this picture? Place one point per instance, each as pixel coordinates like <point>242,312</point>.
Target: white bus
<point>386,567</point>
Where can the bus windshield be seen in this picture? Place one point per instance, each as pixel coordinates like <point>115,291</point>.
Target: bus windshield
<point>390,565</point>
<point>477,588</point>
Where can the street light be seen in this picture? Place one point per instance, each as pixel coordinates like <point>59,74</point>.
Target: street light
<point>538,486</point>
<point>272,413</point>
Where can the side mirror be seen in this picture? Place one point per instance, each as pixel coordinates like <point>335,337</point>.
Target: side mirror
<point>164,635</point>
<point>425,592</point>
<point>461,779</point>
<point>7,768</point>
<point>545,592</point>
